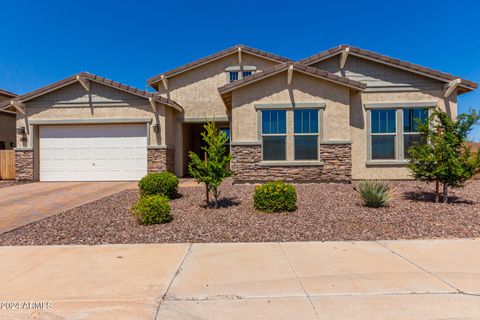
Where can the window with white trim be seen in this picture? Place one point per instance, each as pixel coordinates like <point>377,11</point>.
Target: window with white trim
<point>246,74</point>
<point>274,135</point>
<point>305,134</point>
<point>239,72</point>
<point>233,76</point>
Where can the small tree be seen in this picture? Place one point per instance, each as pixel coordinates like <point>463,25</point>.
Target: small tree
<point>212,170</point>
<point>442,155</point>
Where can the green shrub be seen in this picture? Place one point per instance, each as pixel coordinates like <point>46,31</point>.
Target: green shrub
<point>375,193</point>
<point>159,183</point>
<point>275,197</point>
<point>152,209</point>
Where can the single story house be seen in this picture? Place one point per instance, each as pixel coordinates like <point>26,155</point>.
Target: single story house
<point>7,123</point>
<point>342,114</point>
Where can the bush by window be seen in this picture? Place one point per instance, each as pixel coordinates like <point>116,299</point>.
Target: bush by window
<point>275,197</point>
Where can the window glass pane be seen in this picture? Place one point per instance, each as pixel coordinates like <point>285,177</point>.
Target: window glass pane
<point>412,117</point>
<point>274,122</point>
<point>227,132</point>
<point>274,148</point>
<point>383,147</point>
<point>306,121</point>
<point>306,147</point>
<point>233,76</point>
<point>383,121</point>
<point>408,141</point>
<point>246,73</point>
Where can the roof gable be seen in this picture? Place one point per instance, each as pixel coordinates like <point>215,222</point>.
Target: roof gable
<point>226,90</point>
<point>465,85</point>
<point>7,93</point>
<point>238,49</point>
<point>83,78</point>
<point>296,67</point>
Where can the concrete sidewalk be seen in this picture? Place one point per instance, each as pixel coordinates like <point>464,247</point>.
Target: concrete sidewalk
<point>437,279</point>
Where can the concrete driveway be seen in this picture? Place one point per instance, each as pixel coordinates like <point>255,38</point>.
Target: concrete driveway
<point>26,203</point>
<point>333,280</point>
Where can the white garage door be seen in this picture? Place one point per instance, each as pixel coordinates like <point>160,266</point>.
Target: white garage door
<point>93,152</point>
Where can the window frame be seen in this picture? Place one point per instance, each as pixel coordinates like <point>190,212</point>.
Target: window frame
<point>262,135</point>
<point>399,132</point>
<point>413,133</point>
<point>383,134</point>
<point>290,144</point>
<point>239,70</point>
<point>317,134</point>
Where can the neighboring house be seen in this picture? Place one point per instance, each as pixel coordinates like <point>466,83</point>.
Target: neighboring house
<point>7,123</point>
<point>343,114</point>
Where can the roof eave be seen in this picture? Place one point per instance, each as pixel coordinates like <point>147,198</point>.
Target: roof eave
<point>91,77</point>
<point>403,65</point>
<point>229,51</point>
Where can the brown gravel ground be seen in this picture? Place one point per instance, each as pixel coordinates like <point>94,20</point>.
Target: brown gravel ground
<point>325,212</point>
<point>10,183</point>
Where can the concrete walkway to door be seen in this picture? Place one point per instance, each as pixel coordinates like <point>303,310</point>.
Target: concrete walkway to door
<point>382,280</point>
<point>27,203</point>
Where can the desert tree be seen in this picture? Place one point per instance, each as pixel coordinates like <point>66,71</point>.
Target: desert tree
<point>441,155</point>
<point>213,169</point>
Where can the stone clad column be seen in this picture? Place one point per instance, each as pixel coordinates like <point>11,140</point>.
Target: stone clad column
<point>24,163</point>
<point>161,158</point>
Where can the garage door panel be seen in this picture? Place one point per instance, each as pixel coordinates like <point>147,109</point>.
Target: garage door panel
<point>93,153</point>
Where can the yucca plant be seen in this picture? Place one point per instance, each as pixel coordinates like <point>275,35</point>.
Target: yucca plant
<point>375,193</point>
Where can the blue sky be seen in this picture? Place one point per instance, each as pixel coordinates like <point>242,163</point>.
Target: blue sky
<point>130,41</point>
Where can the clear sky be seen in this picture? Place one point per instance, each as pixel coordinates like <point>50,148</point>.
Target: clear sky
<point>130,41</point>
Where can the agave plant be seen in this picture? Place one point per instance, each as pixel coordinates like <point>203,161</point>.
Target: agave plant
<point>375,193</point>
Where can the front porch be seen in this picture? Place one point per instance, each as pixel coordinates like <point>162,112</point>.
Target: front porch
<point>192,141</point>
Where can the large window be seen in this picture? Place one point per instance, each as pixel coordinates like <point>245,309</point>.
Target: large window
<point>383,132</point>
<point>411,119</point>
<point>306,134</point>
<point>393,131</point>
<point>274,134</point>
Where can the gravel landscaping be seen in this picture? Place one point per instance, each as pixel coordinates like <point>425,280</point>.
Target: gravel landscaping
<point>10,183</point>
<point>325,212</point>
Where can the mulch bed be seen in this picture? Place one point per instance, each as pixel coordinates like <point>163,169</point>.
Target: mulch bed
<point>325,212</point>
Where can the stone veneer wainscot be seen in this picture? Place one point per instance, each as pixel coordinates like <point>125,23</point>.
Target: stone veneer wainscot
<point>336,165</point>
<point>161,159</point>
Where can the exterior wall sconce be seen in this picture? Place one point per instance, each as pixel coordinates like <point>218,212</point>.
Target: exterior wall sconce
<point>156,128</point>
<point>21,130</point>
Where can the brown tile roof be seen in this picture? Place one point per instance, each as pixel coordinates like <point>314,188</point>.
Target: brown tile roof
<point>296,66</point>
<point>7,93</point>
<point>466,84</point>
<point>215,56</point>
<point>98,79</point>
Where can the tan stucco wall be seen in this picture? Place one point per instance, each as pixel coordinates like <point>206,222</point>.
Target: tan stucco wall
<point>304,88</point>
<point>196,90</point>
<point>358,129</point>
